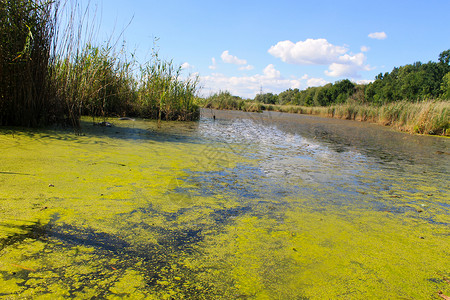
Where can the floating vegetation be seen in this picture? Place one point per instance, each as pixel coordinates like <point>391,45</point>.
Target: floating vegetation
<point>246,208</point>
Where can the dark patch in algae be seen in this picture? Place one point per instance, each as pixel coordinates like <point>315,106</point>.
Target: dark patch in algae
<point>35,230</point>
<point>111,255</point>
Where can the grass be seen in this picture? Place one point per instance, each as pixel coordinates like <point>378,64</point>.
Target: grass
<point>224,100</point>
<point>164,95</point>
<point>428,117</point>
<point>26,33</point>
<point>52,71</point>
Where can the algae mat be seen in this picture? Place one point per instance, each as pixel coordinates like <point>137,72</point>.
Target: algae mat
<point>249,206</point>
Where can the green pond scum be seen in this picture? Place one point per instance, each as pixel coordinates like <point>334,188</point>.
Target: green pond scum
<point>242,206</point>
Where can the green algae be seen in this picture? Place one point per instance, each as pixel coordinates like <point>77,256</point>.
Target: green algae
<point>137,212</point>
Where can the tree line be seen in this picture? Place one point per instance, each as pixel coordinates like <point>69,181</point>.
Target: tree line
<point>412,83</point>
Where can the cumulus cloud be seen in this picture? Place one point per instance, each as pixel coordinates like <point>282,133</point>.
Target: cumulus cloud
<point>273,82</point>
<point>271,72</point>
<point>364,49</point>
<point>230,59</point>
<point>378,35</point>
<point>311,81</point>
<point>320,52</point>
<point>214,64</point>
<point>247,68</point>
<point>338,70</point>
<point>348,65</point>
<point>185,65</point>
<point>364,81</point>
<point>308,52</point>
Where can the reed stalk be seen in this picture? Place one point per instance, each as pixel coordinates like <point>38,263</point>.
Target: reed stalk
<point>51,70</point>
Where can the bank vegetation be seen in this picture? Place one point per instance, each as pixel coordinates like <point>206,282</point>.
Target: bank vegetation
<point>413,98</point>
<point>52,71</point>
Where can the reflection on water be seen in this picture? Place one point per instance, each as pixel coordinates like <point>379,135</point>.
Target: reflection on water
<point>246,206</point>
<point>348,160</point>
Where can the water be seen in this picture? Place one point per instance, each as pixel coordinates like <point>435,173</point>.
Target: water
<point>246,206</point>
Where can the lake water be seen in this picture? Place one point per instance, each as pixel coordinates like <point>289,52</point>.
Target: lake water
<point>246,206</point>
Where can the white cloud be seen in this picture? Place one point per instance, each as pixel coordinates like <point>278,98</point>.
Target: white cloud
<point>364,81</point>
<point>338,70</point>
<point>230,59</point>
<point>308,52</point>
<point>320,52</point>
<point>310,82</point>
<point>214,64</point>
<point>378,35</point>
<point>186,65</point>
<point>364,49</point>
<point>271,72</point>
<point>248,86</point>
<point>348,65</point>
<point>357,59</point>
<point>247,68</point>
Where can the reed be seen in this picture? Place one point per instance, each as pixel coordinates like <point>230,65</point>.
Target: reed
<point>27,29</point>
<point>224,100</point>
<point>51,70</point>
<point>427,117</point>
<point>163,94</point>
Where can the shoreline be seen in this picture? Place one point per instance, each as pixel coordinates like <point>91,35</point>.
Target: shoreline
<point>424,118</point>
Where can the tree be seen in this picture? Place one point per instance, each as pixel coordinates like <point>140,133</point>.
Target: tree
<point>445,86</point>
<point>444,57</point>
<point>290,96</point>
<point>267,98</point>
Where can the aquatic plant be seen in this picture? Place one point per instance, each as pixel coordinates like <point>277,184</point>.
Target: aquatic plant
<point>27,29</point>
<point>103,80</point>
<point>52,70</point>
<point>95,82</point>
<point>187,212</point>
<point>163,94</point>
<point>224,100</point>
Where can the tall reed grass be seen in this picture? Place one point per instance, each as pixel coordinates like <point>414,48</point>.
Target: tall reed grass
<point>224,100</point>
<point>27,30</point>
<point>163,94</point>
<point>51,70</point>
<point>427,117</point>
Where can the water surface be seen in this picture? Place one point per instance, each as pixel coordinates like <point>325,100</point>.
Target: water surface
<point>246,206</point>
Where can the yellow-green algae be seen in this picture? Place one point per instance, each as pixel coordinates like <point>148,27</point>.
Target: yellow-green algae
<point>140,213</point>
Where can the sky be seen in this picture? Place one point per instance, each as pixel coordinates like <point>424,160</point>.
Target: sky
<point>246,47</point>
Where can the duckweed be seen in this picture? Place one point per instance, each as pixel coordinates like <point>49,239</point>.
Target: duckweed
<point>230,209</point>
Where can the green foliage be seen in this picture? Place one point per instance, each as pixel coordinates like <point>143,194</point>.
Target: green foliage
<point>444,57</point>
<point>164,95</point>
<point>289,96</point>
<point>411,82</point>
<point>445,86</point>
<point>267,98</point>
<point>95,82</point>
<point>51,74</point>
<point>325,95</point>
<point>26,34</point>
<point>224,100</point>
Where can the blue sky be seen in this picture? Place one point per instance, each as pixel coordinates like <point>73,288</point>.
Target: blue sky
<point>242,46</point>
